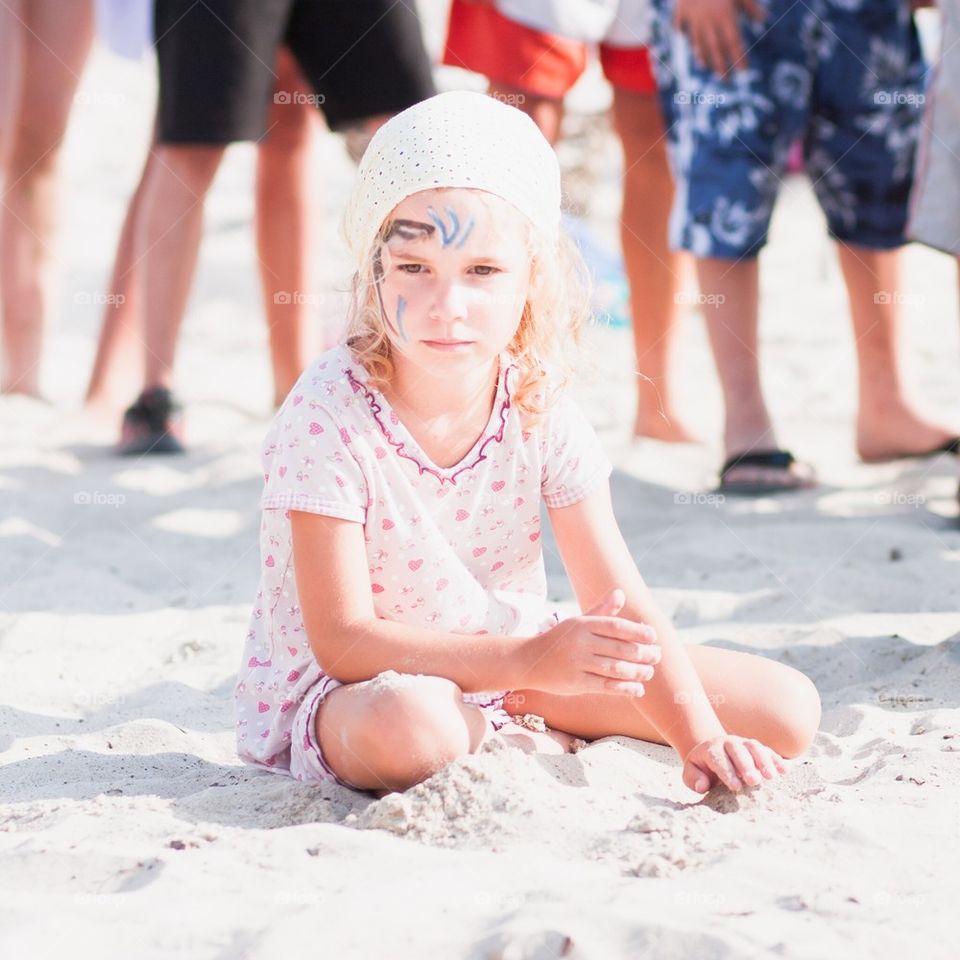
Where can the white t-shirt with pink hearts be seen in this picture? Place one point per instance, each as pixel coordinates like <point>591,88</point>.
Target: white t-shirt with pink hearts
<point>454,549</point>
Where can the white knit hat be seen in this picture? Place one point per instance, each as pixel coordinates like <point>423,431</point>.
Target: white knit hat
<point>457,139</point>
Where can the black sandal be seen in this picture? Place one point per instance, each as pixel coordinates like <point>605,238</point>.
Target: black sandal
<point>779,460</point>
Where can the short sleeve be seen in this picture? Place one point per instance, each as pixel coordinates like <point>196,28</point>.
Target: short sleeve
<point>308,465</point>
<point>572,461</point>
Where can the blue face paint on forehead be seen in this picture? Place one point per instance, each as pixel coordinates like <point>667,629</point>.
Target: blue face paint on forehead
<point>454,234</point>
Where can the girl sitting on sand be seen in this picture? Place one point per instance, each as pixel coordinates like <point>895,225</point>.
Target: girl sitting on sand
<point>402,618</point>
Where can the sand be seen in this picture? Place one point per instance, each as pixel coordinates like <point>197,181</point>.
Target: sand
<point>128,826</point>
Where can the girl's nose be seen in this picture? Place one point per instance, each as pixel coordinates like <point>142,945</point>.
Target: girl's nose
<point>449,302</point>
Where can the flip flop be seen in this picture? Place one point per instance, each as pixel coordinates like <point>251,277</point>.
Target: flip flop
<point>948,446</point>
<point>779,460</point>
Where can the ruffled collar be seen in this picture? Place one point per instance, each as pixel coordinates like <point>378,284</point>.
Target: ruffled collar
<point>403,443</point>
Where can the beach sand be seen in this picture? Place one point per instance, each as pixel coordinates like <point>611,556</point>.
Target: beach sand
<point>128,826</point>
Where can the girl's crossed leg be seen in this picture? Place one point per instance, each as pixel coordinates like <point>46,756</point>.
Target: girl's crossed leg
<point>383,737</point>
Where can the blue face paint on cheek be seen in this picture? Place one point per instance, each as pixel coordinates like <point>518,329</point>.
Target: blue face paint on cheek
<point>401,306</point>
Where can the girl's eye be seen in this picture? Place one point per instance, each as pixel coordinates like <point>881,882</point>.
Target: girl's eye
<point>410,268</point>
<point>484,270</point>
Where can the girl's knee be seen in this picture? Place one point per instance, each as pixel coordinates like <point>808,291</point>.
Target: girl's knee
<point>798,706</point>
<point>401,730</point>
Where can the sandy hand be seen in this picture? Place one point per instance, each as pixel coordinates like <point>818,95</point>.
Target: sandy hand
<point>734,761</point>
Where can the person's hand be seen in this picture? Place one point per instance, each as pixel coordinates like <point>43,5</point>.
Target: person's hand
<point>735,762</point>
<point>712,29</point>
<point>597,652</point>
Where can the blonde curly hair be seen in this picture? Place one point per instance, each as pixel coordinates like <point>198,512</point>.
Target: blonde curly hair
<point>545,347</point>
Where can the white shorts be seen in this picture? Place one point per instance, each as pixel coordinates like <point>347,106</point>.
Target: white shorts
<point>617,23</point>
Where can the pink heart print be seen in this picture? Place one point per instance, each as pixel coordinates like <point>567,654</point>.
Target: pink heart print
<point>380,452</point>
<point>269,562</point>
<point>496,566</point>
<point>387,524</point>
<point>282,471</point>
<point>298,399</point>
<point>479,551</point>
<point>534,537</point>
<point>498,485</point>
<point>315,428</point>
<point>462,515</point>
<point>292,651</point>
<point>415,564</point>
<point>293,676</point>
<point>441,583</point>
<point>376,588</point>
<point>263,707</point>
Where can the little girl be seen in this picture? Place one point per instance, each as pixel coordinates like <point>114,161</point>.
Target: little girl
<point>401,617</point>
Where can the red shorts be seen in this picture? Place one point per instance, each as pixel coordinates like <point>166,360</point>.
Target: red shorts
<point>481,39</point>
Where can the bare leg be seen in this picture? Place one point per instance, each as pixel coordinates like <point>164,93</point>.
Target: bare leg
<point>378,737</point>
<point>286,221</point>
<point>389,737</point>
<point>732,286</point>
<point>118,368</point>
<point>47,44</point>
<point>889,423</point>
<point>169,234</point>
<point>753,697</point>
<point>652,268</point>
<point>546,112</point>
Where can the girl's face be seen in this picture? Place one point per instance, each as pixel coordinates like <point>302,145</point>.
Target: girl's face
<point>453,278</point>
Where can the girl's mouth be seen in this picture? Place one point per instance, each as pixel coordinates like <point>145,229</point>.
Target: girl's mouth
<point>448,344</point>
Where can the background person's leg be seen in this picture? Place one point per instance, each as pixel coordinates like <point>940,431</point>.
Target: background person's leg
<point>169,238</point>
<point>118,367</point>
<point>653,269</point>
<point>286,225</point>
<point>546,112</point>
<point>889,422</point>
<point>51,46</point>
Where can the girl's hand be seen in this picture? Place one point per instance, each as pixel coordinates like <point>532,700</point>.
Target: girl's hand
<point>734,761</point>
<point>712,29</point>
<point>597,652</point>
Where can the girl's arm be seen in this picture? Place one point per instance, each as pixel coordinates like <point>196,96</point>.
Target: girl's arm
<point>587,654</point>
<point>597,561</point>
<point>348,639</point>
